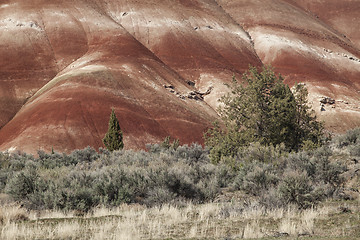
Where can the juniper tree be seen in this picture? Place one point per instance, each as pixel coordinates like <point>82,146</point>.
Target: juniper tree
<point>113,139</point>
<point>262,109</point>
<point>309,129</point>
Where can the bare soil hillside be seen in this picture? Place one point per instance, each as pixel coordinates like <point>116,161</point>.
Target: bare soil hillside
<point>162,65</point>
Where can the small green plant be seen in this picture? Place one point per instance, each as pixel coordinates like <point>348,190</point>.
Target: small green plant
<point>113,139</point>
<point>166,144</point>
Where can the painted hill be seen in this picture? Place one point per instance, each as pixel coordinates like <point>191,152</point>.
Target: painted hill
<point>162,65</point>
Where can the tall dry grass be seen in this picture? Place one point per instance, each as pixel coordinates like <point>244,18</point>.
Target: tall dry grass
<point>139,222</point>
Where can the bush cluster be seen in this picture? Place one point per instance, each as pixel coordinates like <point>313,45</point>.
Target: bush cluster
<point>168,174</point>
<point>279,178</point>
<point>349,141</point>
<point>85,178</point>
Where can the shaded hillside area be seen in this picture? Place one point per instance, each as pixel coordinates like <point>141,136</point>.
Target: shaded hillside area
<point>162,65</point>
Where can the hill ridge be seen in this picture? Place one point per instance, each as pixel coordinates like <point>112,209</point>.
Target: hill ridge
<point>153,62</point>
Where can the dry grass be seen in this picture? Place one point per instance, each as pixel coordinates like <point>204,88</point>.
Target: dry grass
<point>215,221</point>
<point>12,213</point>
<point>300,223</point>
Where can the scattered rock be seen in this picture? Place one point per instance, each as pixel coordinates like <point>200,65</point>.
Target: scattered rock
<point>352,58</point>
<point>196,28</point>
<point>342,101</point>
<point>124,14</point>
<point>193,95</point>
<point>207,91</point>
<point>190,83</point>
<point>209,27</point>
<point>327,100</point>
<point>35,25</point>
<point>169,86</point>
<point>196,95</point>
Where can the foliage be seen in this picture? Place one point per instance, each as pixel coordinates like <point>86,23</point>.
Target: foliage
<point>309,132</point>
<point>167,144</point>
<point>348,142</point>
<point>85,178</point>
<point>350,138</point>
<point>263,110</point>
<point>297,189</point>
<point>355,150</point>
<point>113,139</point>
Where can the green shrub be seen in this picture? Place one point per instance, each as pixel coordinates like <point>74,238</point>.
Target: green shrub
<point>296,188</point>
<point>261,153</point>
<point>301,162</point>
<point>22,184</point>
<point>259,180</point>
<point>355,150</point>
<point>350,138</point>
<point>159,196</point>
<point>112,186</point>
<point>326,171</point>
<point>85,155</point>
<point>255,178</point>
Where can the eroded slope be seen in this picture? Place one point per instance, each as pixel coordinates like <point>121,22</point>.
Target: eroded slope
<point>304,48</point>
<point>162,65</point>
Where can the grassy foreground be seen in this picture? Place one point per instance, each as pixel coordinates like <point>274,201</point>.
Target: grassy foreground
<point>331,220</point>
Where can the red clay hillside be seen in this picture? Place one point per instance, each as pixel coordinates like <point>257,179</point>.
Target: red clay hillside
<point>162,65</point>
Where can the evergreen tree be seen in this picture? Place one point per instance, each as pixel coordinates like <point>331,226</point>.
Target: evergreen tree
<point>308,129</point>
<point>262,109</point>
<point>113,139</point>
